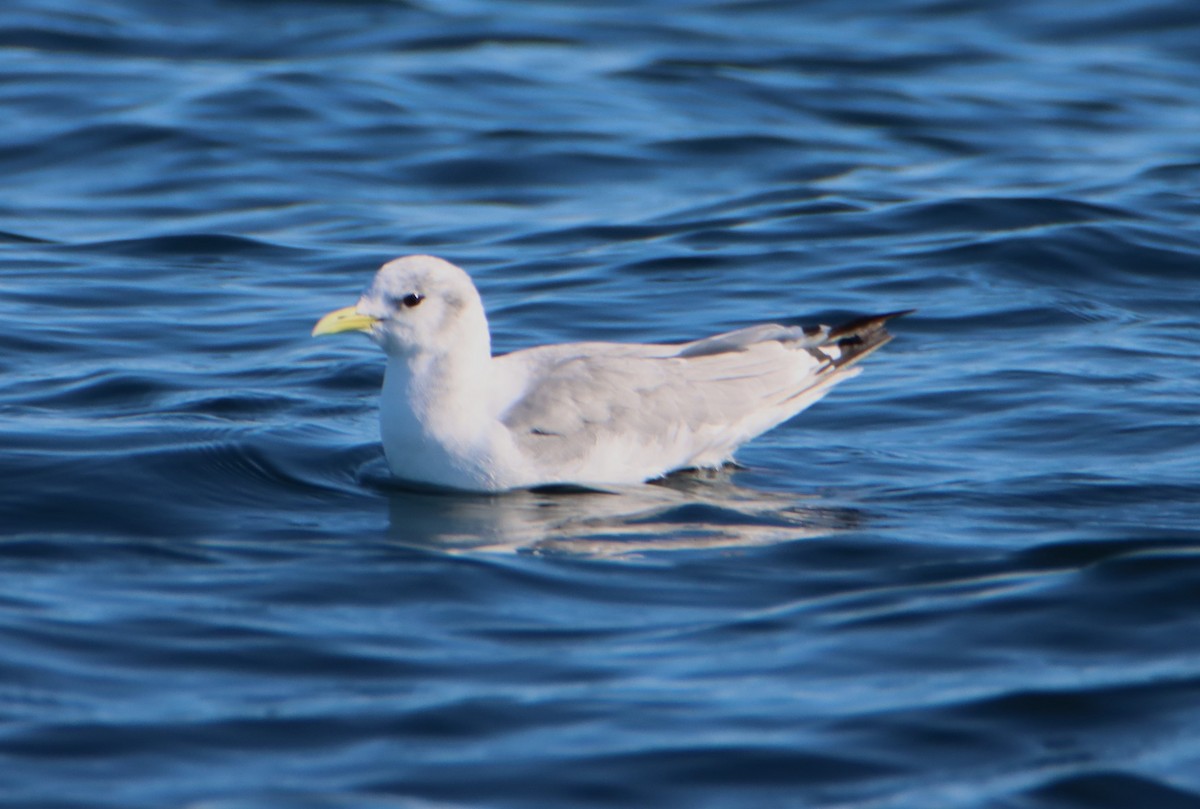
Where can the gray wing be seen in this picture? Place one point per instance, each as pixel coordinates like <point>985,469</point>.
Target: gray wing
<point>685,405</point>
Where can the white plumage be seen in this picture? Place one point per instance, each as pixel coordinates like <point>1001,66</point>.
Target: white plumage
<point>596,414</point>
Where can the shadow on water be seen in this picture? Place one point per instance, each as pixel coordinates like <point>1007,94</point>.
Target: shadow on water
<point>687,511</point>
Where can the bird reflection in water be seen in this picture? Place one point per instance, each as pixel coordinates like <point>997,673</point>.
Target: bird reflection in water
<point>686,511</point>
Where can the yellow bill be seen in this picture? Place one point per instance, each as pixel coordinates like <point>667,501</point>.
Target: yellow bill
<point>346,319</point>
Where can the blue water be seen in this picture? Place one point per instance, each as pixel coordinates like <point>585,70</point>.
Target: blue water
<point>970,577</point>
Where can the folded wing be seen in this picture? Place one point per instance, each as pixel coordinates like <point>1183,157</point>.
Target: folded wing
<point>600,410</point>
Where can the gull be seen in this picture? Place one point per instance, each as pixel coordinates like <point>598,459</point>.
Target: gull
<point>589,414</point>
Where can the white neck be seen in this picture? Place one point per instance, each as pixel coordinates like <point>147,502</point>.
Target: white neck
<point>446,394</point>
<point>437,425</point>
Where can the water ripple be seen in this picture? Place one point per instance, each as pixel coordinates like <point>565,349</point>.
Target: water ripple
<point>964,579</point>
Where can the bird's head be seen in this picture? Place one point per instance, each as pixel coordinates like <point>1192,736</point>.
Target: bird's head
<point>415,304</point>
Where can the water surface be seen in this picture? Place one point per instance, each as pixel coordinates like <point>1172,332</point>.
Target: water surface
<point>967,578</point>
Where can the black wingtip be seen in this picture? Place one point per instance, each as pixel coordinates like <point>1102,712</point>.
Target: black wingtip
<point>866,324</point>
<point>862,336</point>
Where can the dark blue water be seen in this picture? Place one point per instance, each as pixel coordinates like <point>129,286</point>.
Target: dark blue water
<point>970,577</point>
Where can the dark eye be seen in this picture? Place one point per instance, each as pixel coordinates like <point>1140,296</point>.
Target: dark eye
<point>412,300</point>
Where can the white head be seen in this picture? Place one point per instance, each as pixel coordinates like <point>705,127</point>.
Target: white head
<point>416,305</point>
